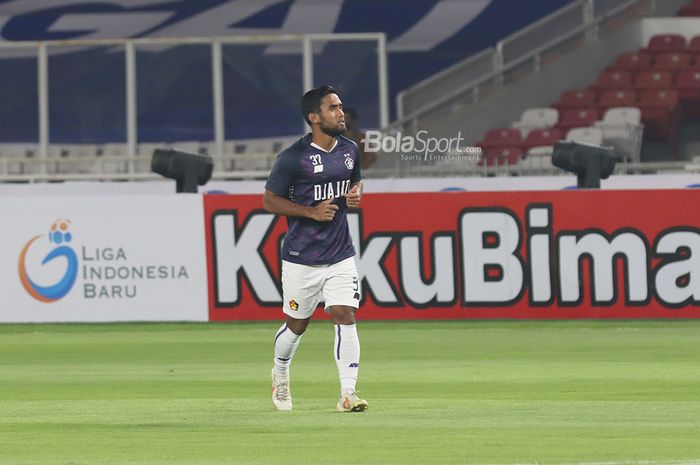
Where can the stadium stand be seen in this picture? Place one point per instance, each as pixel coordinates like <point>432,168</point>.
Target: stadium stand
<point>631,90</point>
<point>649,92</point>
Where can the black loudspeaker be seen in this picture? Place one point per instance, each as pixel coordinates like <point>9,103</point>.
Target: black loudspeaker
<point>189,170</point>
<point>590,163</point>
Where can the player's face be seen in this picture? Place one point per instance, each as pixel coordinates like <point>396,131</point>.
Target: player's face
<point>331,116</point>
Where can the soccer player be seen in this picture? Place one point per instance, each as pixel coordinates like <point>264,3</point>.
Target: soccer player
<point>313,183</point>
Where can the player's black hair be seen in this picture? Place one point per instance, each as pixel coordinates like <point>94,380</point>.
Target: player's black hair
<point>311,101</point>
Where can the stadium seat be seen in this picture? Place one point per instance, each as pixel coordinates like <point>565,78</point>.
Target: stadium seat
<point>77,158</point>
<point>540,138</point>
<point>18,158</point>
<point>694,45</point>
<point>536,118</point>
<point>688,88</point>
<point>577,118</point>
<point>660,114</point>
<point>109,158</point>
<point>589,135</point>
<point>689,10</point>
<point>501,137</point>
<point>538,159</point>
<point>613,79</point>
<point>509,156</point>
<point>281,143</point>
<point>622,129</point>
<point>616,98</point>
<point>673,62</point>
<point>253,154</point>
<point>662,43</point>
<point>653,80</point>
<point>573,99</point>
<point>634,61</point>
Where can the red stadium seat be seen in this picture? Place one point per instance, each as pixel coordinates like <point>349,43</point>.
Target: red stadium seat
<point>688,88</point>
<point>673,61</point>
<point>613,79</point>
<point>653,80</point>
<point>689,11</point>
<point>501,137</point>
<point>660,114</point>
<point>694,45</point>
<point>616,98</point>
<point>584,98</point>
<point>577,118</point>
<point>501,156</point>
<point>662,43</point>
<point>634,61</point>
<point>541,137</point>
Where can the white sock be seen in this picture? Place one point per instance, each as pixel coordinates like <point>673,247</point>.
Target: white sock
<point>346,352</point>
<point>286,343</point>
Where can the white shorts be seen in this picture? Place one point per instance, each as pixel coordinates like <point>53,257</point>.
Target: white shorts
<point>304,286</point>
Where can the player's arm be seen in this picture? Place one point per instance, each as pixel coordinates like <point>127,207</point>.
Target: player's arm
<point>322,211</point>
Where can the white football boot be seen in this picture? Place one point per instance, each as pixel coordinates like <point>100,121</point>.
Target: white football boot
<point>349,402</point>
<point>281,395</point>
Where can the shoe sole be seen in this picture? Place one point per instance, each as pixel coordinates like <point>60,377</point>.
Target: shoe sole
<point>358,407</point>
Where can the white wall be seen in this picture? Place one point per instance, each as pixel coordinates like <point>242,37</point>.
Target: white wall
<point>688,27</point>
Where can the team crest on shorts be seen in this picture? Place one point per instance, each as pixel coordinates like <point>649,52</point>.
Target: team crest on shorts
<point>349,162</point>
<point>293,305</point>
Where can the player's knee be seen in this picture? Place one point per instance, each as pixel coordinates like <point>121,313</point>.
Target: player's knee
<point>297,326</point>
<point>343,315</point>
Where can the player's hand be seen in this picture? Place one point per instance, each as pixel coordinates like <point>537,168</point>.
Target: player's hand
<point>324,211</point>
<point>352,198</point>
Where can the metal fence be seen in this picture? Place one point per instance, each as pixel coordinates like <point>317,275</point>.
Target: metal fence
<point>143,72</point>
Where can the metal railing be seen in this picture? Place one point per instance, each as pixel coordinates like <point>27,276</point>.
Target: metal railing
<point>130,46</point>
<point>467,80</point>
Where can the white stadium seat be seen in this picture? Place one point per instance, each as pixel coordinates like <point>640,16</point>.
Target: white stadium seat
<point>536,118</point>
<point>589,135</point>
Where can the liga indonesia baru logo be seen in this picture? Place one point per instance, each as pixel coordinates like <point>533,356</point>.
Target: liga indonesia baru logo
<point>59,237</point>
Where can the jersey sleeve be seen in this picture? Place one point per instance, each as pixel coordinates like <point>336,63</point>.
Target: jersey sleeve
<point>283,173</point>
<point>356,173</point>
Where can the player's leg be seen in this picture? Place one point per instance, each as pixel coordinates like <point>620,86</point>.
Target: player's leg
<point>301,286</point>
<point>341,292</point>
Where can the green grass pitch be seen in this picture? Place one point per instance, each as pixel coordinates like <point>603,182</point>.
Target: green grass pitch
<point>616,392</point>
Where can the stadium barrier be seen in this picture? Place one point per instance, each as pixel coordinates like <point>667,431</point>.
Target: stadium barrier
<point>110,258</point>
<point>538,255</point>
<point>451,255</point>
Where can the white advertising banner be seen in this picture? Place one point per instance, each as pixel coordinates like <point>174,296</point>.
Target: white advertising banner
<point>371,185</point>
<point>101,259</point>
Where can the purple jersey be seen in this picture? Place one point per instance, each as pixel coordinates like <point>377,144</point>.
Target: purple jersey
<point>307,175</point>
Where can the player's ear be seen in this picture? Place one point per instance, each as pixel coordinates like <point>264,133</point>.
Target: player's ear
<point>314,117</point>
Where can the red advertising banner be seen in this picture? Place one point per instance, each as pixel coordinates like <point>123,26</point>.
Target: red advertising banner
<point>458,255</point>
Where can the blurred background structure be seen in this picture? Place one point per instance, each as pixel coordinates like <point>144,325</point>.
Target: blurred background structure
<point>90,89</point>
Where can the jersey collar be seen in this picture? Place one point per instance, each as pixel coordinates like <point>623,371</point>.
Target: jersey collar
<point>316,146</point>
